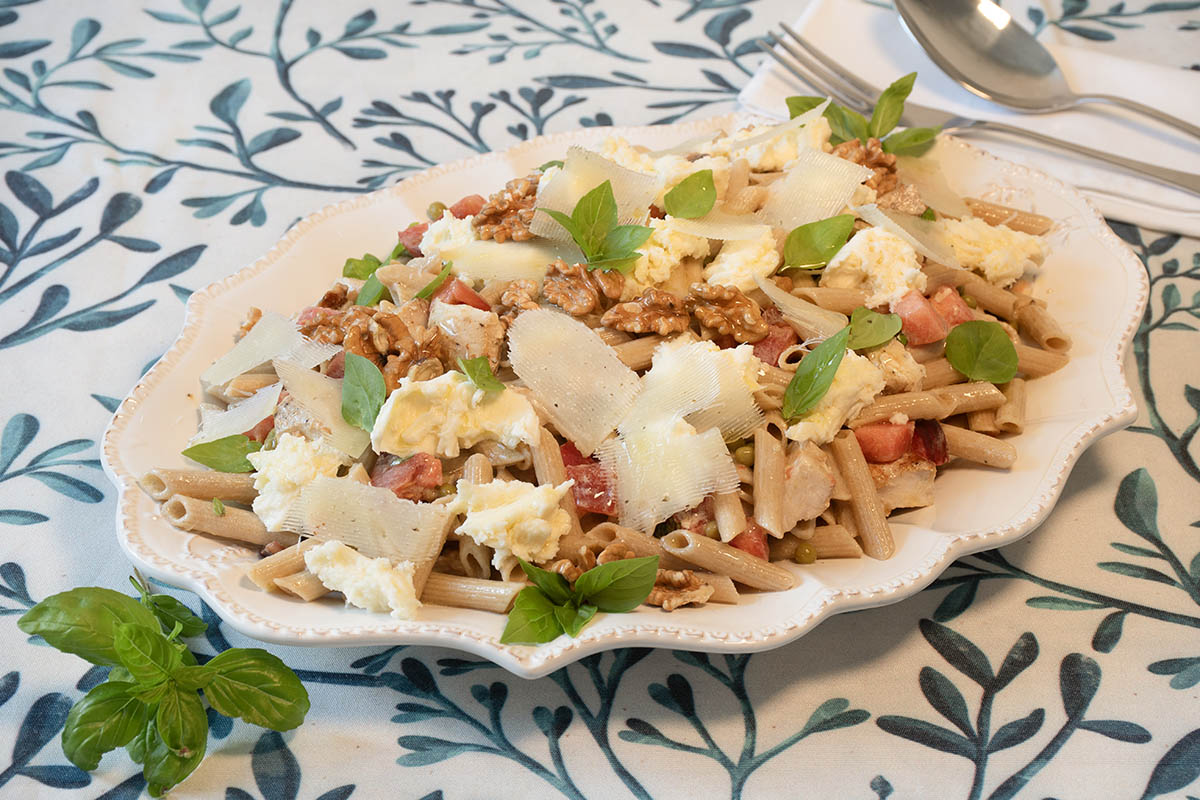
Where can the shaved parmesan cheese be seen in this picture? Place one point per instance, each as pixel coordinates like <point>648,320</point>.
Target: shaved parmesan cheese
<point>816,186</point>
<point>685,147</point>
<point>782,128</point>
<point>490,260</point>
<point>733,410</point>
<point>719,225</point>
<point>576,378</point>
<point>583,171</point>
<point>322,396</point>
<point>239,417</point>
<point>927,176</point>
<point>682,380</point>
<point>809,317</point>
<point>273,337</point>
<point>371,519</point>
<point>926,237</point>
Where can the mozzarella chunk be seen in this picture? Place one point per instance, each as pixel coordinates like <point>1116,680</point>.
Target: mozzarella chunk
<point>740,261</point>
<point>443,415</point>
<point>470,332</point>
<point>855,384</point>
<point>996,252</point>
<point>514,518</point>
<point>664,250</point>
<point>775,153</point>
<point>371,583</point>
<point>901,372</point>
<point>446,233</point>
<point>281,473</point>
<point>616,148</point>
<point>878,262</point>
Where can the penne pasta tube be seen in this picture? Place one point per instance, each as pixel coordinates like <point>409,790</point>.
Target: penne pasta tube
<point>834,541</point>
<point>612,337</point>
<point>939,275</point>
<point>968,397</point>
<point>1000,302</point>
<point>1010,417</point>
<point>510,570</point>
<point>1035,322</point>
<point>729,514</point>
<point>983,421</point>
<point>1024,221</point>
<point>723,589</point>
<point>1035,363</point>
<point>870,520</point>
<point>453,590</point>
<point>199,516</point>
<point>768,481</point>
<point>243,386</point>
<point>978,447</point>
<point>914,405</point>
<point>643,545</point>
<point>722,559</point>
<point>478,469</point>
<point>475,558</point>
<point>939,372</point>
<point>303,584</point>
<point>842,301</point>
<point>500,456</point>
<point>202,484</point>
<point>549,468</point>
<point>774,376</point>
<point>770,398</point>
<point>287,561</point>
<point>638,353</point>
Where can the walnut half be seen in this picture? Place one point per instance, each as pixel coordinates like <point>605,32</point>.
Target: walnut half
<point>727,311</point>
<point>579,290</point>
<point>884,164</point>
<point>655,311</point>
<point>678,587</point>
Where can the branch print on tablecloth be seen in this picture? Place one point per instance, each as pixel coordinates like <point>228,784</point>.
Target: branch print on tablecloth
<point>41,725</point>
<point>277,773</point>
<point>1079,679</point>
<point>45,467</point>
<point>1115,16</point>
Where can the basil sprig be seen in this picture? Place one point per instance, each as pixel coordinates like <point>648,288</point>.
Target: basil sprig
<point>361,268</point>
<point>149,704</point>
<point>227,454</point>
<point>549,164</point>
<point>814,244</point>
<point>363,391</point>
<point>814,375</point>
<point>692,197</point>
<point>479,370</point>
<point>372,292</point>
<point>846,124</point>
<point>982,351</point>
<point>551,606</point>
<point>428,289</point>
<point>593,225</point>
<point>870,328</point>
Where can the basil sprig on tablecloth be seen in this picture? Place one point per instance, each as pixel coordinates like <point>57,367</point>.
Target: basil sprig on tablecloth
<point>479,370</point>
<point>982,351</point>
<point>846,124</point>
<point>814,244</point>
<point>870,328</point>
<point>363,391</point>
<point>593,225</point>
<point>552,606</point>
<point>692,197</point>
<point>814,375</point>
<point>227,454</point>
<point>149,704</point>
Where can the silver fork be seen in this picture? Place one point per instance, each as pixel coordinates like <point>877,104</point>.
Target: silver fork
<point>828,77</point>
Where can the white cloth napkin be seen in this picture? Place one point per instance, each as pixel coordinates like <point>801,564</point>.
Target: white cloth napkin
<point>871,41</point>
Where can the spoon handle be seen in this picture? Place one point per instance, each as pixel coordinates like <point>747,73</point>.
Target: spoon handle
<point>1149,111</point>
<point>1184,180</point>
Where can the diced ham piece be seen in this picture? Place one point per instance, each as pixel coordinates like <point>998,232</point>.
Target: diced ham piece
<point>950,305</point>
<point>929,441</point>
<point>922,323</point>
<point>594,489</point>
<point>259,432</point>
<point>753,540</point>
<point>455,291</point>
<point>337,366</point>
<point>411,237</point>
<point>469,206</point>
<point>414,478</point>
<point>780,336</point>
<point>317,315</point>
<point>882,442</point>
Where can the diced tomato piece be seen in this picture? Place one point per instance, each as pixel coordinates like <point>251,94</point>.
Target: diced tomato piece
<point>337,366</point>
<point>469,206</point>
<point>572,457</point>
<point>780,336</point>
<point>593,490</point>
<point>412,478</point>
<point>883,442</point>
<point>753,540</point>
<point>929,441</point>
<point>950,305</point>
<point>455,291</point>
<point>922,324</point>
<point>411,237</point>
<point>317,315</point>
<point>259,432</point>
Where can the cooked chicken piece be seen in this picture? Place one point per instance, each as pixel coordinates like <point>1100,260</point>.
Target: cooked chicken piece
<point>405,280</point>
<point>468,331</point>
<point>906,482</point>
<point>808,482</point>
<point>901,372</point>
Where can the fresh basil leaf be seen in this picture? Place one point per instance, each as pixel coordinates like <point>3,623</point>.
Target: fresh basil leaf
<point>568,225</point>
<point>692,197</point>
<point>911,141</point>
<point>480,373</point>
<point>363,391</point>
<point>399,251</point>
<point>798,104</point>
<point>361,268</point>
<point>549,164</point>
<point>982,351</point>
<point>929,214</point>
<point>624,240</point>
<point>227,454</point>
<point>162,768</point>
<point>428,289</point>
<point>253,684</point>
<point>573,619</point>
<point>622,264</point>
<point>594,216</point>
<point>84,622</point>
<point>869,328</point>
<point>171,612</point>
<point>194,676</point>
<point>372,292</point>
<point>814,375</point>
<point>618,586</point>
<point>107,717</point>
<point>218,506</point>
<point>553,585</point>
<point>814,244</point>
<point>845,124</point>
<point>181,720</point>
<point>532,619</point>
<point>890,106</point>
<point>145,652</point>
<point>119,675</point>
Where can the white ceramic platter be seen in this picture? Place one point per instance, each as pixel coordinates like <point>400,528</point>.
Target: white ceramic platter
<point>1093,284</point>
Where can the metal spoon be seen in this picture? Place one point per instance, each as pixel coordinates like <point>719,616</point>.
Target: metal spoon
<point>977,43</point>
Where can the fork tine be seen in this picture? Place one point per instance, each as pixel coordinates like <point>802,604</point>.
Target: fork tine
<point>860,102</point>
<point>866,90</point>
<point>805,73</point>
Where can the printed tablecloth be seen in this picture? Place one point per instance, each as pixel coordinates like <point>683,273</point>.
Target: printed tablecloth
<point>149,149</point>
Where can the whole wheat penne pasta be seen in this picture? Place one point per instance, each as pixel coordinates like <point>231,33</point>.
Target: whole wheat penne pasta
<point>768,480</point>
<point>968,397</point>
<point>914,405</point>
<point>303,584</point>
<point>834,541</point>
<point>199,516</point>
<point>233,487</point>
<point>1010,417</point>
<point>243,386</point>
<point>611,336</point>
<point>1024,221</point>
<point>774,376</point>
<point>939,275</point>
<point>842,301</point>
<point>453,590</point>
<point>475,558</point>
<point>638,353</point>
<point>983,421</point>
<point>841,490</point>
<point>871,521</point>
<point>729,515</point>
<point>478,469</point>
<point>287,561</point>
<point>770,397</point>
<point>500,456</point>
<point>1035,322</point>
<point>549,468</point>
<point>978,447</point>
<point>723,589</point>
<point>939,372</point>
<point>1000,302</point>
<point>722,559</point>
<point>510,570</point>
<point>1035,363</point>
<point>643,545</point>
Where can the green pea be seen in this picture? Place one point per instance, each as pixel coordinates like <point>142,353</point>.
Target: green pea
<point>712,531</point>
<point>744,455</point>
<point>435,210</point>
<point>445,489</point>
<point>805,554</point>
